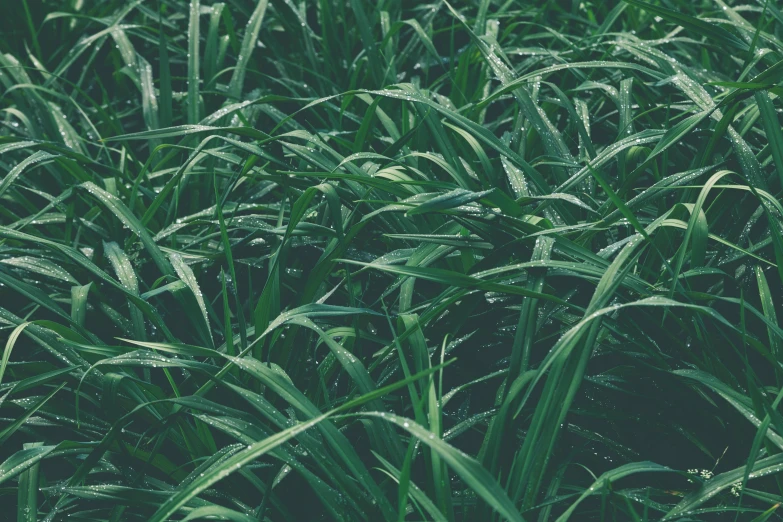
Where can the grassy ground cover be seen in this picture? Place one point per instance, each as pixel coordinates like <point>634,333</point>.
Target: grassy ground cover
<point>391,260</point>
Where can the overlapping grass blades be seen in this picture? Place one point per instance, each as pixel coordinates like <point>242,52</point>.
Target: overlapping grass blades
<point>377,260</point>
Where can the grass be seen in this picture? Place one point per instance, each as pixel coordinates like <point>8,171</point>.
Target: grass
<point>391,261</point>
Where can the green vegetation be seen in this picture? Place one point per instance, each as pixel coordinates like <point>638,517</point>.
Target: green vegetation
<point>391,260</point>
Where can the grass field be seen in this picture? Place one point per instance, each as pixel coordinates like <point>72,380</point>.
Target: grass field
<point>348,260</point>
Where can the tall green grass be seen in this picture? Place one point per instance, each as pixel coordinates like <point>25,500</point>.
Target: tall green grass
<point>391,260</point>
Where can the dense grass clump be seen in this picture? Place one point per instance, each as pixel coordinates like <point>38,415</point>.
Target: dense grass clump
<point>391,260</point>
